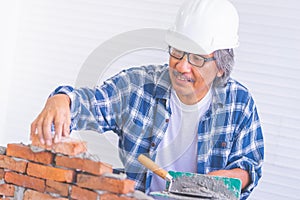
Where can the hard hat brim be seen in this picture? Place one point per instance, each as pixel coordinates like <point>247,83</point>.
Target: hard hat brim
<point>182,42</point>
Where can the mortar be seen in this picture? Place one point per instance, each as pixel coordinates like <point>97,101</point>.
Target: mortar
<point>185,185</point>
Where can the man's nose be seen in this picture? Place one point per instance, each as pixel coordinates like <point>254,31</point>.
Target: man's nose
<point>183,65</point>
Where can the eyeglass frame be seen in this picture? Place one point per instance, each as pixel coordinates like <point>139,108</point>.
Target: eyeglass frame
<point>188,57</point>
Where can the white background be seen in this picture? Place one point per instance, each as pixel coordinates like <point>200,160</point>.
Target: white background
<point>43,44</point>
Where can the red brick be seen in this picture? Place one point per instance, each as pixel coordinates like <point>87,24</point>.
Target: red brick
<point>68,146</point>
<point>25,181</point>
<point>105,183</point>
<point>111,196</point>
<point>51,173</point>
<point>83,194</point>
<point>2,172</point>
<point>23,151</point>
<point>97,168</point>
<point>7,190</point>
<point>12,164</point>
<point>34,195</point>
<point>57,187</point>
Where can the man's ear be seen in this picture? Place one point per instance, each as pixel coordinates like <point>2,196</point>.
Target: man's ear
<point>220,73</point>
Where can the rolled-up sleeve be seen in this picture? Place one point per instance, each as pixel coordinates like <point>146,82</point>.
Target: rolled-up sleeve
<point>84,108</point>
<point>248,148</point>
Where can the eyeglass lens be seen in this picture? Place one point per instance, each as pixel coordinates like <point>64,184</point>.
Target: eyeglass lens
<point>193,59</point>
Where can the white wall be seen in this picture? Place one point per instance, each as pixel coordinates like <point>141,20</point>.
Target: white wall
<point>269,64</point>
<point>53,38</point>
<point>8,34</point>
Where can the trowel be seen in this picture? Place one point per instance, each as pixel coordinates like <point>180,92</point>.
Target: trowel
<point>186,185</point>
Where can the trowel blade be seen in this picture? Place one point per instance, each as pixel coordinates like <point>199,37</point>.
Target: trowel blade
<point>168,195</point>
<point>204,186</point>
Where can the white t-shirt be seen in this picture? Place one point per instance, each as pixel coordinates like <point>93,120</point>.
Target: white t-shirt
<point>178,148</point>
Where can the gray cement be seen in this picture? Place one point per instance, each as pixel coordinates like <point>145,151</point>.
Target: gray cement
<point>19,191</point>
<point>202,186</point>
<point>120,176</point>
<point>36,149</point>
<point>2,150</point>
<point>140,195</point>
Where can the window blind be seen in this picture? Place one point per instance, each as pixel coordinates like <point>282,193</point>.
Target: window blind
<point>268,64</point>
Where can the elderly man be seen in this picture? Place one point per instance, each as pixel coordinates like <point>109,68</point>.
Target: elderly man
<point>189,115</point>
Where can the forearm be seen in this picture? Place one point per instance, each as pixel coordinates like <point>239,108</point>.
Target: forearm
<point>93,108</point>
<point>241,174</point>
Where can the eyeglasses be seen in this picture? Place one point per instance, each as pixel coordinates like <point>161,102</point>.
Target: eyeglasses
<point>193,59</point>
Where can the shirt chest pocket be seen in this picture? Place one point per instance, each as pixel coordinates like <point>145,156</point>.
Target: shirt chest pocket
<point>223,145</point>
<point>220,152</point>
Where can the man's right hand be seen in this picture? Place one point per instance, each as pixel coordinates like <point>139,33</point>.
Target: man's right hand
<point>56,111</point>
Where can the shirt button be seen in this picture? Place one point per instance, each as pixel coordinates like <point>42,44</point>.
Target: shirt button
<point>167,120</point>
<point>223,144</point>
<point>153,144</point>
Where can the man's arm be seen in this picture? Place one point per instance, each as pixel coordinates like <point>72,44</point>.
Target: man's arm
<point>241,174</point>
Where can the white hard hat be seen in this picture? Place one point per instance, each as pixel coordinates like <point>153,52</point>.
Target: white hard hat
<point>203,26</point>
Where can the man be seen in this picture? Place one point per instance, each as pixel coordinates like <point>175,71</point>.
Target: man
<point>187,116</point>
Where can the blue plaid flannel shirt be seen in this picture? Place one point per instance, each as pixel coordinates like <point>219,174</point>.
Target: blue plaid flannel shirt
<point>135,105</point>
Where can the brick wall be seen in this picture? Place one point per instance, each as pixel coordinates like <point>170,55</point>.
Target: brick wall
<point>64,171</point>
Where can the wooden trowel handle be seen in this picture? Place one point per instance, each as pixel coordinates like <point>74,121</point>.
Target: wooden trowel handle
<point>148,163</point>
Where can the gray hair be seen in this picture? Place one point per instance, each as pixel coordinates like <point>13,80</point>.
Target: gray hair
<point>225,62</point>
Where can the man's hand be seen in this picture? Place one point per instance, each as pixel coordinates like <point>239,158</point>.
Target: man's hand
<point>241,174</point>
<point>56,111</point>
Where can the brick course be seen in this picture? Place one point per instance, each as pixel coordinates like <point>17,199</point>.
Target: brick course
<point>83,194</point>
<point>109,196</point>
<point>68,146</point>
<point>7,190</point>
<point>24,151</point>
<point>2,172</point>
<point>12,164</point>
<point>50,173</point>
<point>57,187</point>
<point>58,172</point>
<point>25,181</point>
<point>105,183</point>
<point>97,168</point>
<point>32,195</point>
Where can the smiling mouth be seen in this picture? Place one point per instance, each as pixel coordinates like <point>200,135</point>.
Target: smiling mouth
<point>182,77</point>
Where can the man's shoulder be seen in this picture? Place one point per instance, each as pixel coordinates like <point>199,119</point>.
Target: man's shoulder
<point>233,92</point>
<point>238,91</point>
<point>153,79</point>
<point>140,75</point>
<point>150,74</point>
<point>233,84</point>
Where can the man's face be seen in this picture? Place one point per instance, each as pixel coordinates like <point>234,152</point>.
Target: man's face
<point>191,83</point>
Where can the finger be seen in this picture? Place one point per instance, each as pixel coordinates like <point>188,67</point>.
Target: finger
<point>39,129</point>
<point>66,130</point>
<point>33,129</point>
<point>58,125</point>
<point>46,130</point>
